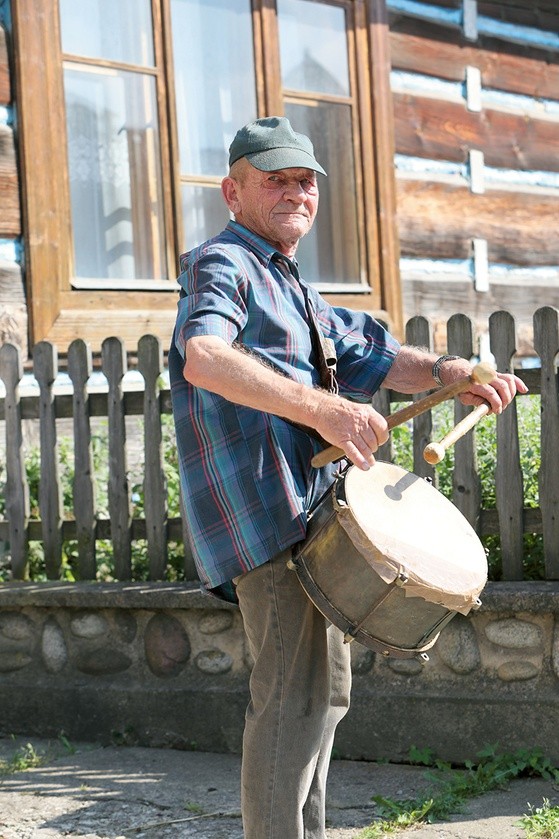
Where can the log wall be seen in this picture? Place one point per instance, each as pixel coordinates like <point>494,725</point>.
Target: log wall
<point>477,142</point>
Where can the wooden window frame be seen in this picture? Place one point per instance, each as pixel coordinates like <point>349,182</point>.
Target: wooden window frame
<point>60,313</point>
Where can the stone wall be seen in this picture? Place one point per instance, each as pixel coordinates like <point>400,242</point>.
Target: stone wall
<point>162,664</point>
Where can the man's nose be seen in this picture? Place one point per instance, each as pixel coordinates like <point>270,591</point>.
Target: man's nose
<point>294,191</point>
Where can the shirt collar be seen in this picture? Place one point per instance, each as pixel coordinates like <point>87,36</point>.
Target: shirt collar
<point>260,247</point>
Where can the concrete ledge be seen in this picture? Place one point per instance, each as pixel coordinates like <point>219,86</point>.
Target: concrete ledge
<point>93,595</point>
<point>532,597</point>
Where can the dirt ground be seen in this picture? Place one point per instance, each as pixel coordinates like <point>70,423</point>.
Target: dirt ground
<point>94,792</point>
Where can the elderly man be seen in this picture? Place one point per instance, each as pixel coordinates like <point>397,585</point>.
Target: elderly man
<point>250,407</point>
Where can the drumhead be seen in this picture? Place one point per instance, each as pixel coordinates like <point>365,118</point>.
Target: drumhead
<point>400,523</point>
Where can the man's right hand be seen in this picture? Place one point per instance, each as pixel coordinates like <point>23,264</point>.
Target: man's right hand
<point>354,427</point>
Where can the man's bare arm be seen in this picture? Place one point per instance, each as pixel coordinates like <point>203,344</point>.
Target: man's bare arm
<point>214,365</point>
<point>411,372</point>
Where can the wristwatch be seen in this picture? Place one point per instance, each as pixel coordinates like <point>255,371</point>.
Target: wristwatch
<point>436,370</point>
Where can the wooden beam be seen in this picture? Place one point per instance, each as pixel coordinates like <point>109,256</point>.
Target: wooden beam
<point>432,128</point>
<point>10,217</point>
<point>438,220</point>
<point>424,52</point>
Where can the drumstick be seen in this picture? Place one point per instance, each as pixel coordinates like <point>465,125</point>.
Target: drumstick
<point>482,374</point>
<point>435,452</point>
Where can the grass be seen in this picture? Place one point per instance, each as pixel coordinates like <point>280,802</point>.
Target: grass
<point>542,822</point>
<point>452,788</point>
<point>28,757</point>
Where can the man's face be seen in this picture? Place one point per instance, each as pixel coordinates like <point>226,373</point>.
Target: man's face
<point>279,206</point>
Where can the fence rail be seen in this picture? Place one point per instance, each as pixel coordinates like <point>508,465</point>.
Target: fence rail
<point>511,519</point>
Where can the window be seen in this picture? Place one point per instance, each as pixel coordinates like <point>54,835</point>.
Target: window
<point>126,109</point>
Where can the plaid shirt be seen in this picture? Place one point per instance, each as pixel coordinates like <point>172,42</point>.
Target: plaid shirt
<point>246,475</point>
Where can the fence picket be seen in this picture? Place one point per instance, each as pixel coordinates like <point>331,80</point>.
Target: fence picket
<point>419,334</point>
<point>79,370</point>
<point>381,403</point>
<point>508,473</point>
<point>17,489</point>
<point>150,365</point>
<point>45,368</point>
<point>466,480</point>
<point>546,342</point>
<point>114,366</point>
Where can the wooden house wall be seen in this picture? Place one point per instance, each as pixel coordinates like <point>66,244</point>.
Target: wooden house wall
<point>13,310</point>
<point>477,157</point>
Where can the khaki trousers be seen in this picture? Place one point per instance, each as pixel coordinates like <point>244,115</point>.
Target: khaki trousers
<point>299,688</point>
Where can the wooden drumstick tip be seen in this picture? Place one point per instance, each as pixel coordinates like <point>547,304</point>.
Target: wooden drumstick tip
<point>483,373</point>
<point>434,453</point>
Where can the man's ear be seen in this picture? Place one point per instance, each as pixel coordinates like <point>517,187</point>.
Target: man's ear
<point>229,190</point>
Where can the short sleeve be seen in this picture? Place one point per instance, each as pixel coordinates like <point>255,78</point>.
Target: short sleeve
<point>213,297</point>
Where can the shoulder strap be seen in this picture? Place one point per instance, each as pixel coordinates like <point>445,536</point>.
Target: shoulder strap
<point>324,348</point>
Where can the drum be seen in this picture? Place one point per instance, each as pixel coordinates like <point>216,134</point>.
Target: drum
<point>389,560</point>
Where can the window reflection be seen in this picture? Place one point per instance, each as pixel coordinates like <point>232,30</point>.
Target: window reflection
<point>112,30</point>
<point>214,79</point>
<point>115,175</point>
<point>204,212</point>
<point>313,47</point>
<point>330,252</point>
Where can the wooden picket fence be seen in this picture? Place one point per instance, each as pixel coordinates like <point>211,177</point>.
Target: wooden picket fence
<point>511,519</point>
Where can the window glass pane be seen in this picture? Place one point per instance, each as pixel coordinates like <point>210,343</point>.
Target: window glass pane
<point>115,174</point>
<point>113,30</point>
<point>214,79</point>
<point>313,47</point>
<point>204,214</point>
<point>330,252</point>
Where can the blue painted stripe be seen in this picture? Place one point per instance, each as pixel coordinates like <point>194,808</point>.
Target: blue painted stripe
<point>513,177</point>
<point>498,272</point>
<point>404,81</point>
<point>516,33</point>
<point>425,166</point>
<point>450,17</point>
<point>10,250</point>
<point>5,15</point>
<point>539,108</point>
<point>5,115</point>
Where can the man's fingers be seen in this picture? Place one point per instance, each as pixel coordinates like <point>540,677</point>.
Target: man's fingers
<point>361,459</point>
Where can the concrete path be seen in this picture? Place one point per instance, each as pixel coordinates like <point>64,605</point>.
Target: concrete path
<point>95,792</point>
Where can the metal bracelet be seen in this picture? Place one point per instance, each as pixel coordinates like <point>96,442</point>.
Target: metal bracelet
<point>436,369</point>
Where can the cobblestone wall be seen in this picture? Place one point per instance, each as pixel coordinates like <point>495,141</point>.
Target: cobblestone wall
<point>163,664</point>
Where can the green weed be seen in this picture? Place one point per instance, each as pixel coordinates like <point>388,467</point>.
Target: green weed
<point>452,788</point>
<point>25,757</point>
<point>542,822</point>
